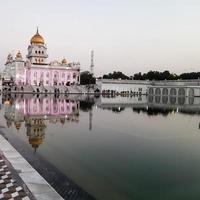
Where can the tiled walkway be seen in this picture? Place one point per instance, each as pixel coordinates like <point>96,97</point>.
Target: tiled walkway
<point>9,187</point>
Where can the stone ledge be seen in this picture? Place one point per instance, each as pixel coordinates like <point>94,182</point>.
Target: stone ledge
<point>38,186</point>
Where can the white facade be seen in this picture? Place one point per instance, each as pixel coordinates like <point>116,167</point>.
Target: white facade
<point>123,86</point>
<point>36,71</point>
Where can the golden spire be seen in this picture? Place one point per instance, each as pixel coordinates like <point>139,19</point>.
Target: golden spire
<point>37,38</point>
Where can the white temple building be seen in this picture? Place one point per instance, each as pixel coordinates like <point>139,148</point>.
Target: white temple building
<point>36,71</point>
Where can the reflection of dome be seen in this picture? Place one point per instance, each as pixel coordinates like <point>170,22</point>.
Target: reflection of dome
<point>7,102</point>
<point>17,125</point>
<point>36,142</point>
<point>64,61</point>
<point>18,55</point>
<point>37,39</point>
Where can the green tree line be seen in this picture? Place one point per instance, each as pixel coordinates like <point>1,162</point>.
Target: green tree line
<point>152,75</point>
<point>87,78</point>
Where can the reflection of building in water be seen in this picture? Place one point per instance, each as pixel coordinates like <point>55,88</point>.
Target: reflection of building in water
<point>174,97</point>
<point>35,131</point>
<point>108,101</point>
<point>35,112</point>
<point>50,107</point>
<point>159,100</point>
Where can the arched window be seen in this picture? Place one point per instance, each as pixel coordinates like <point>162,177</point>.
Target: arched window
<point>173,92</point>
<point>36,52</point>
<point>158,91</point>
<point>181,92</point>
<point>74,76</point>
<point>191,92</point>
<point>151,91</point>
<point>181,100</point>
<point>165,99</point>
<point>55,107</point>
<point>36,60</point>
<point>165,92</point>
<point>191,100</point>
<point>47,74</point>
<point>150,99</point>
<point>56,74</point>
<point>157,99</point>
<point>172,100</point>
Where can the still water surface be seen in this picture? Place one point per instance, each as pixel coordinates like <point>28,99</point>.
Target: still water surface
<point>120,148</point>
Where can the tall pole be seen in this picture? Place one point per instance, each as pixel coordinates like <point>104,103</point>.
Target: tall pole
<point>90,119</point>
<point>92,63</point>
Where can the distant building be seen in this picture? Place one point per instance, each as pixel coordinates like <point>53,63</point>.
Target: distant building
<point>114,86</point>
<point>36,71</point>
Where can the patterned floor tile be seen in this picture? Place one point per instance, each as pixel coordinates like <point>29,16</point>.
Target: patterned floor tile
<point>9,188</point>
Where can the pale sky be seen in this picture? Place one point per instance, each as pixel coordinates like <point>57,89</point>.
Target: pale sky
<point>126,35</point>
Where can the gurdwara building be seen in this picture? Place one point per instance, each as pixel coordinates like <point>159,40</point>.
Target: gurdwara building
<point>36,71</point>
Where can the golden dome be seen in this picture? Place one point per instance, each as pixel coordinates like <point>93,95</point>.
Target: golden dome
<point>36,142</point>
<point>37,39</point>
<point>18,55</point>
<point>64,61</point>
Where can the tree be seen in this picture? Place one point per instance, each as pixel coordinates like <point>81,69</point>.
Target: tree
<point>86,78</point>
<point>115,75</point>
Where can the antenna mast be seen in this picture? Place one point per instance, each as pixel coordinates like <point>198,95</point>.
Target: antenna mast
<point>92,62</point>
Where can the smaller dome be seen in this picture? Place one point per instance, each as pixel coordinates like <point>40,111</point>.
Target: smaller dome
<point>18,55</point>
<point>17,125</point>
<point>9,58</point>
<point>64,61</point>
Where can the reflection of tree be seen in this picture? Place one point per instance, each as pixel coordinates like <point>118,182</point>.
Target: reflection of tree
<point>189,112</point>
<point>86,105</point>
<point>118,109</point>
<point>154,111</point>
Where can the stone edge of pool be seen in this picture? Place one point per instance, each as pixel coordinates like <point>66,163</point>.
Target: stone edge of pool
<point>37,185</point>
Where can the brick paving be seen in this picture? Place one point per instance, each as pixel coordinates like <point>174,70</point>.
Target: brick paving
<point>10,188</point>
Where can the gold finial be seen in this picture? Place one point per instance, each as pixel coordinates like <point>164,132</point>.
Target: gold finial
<point>37,38</point>
<point>19,55</point>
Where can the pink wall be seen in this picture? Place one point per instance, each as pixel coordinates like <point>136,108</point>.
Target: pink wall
<point>50,77</point>
<point>46,106</point>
